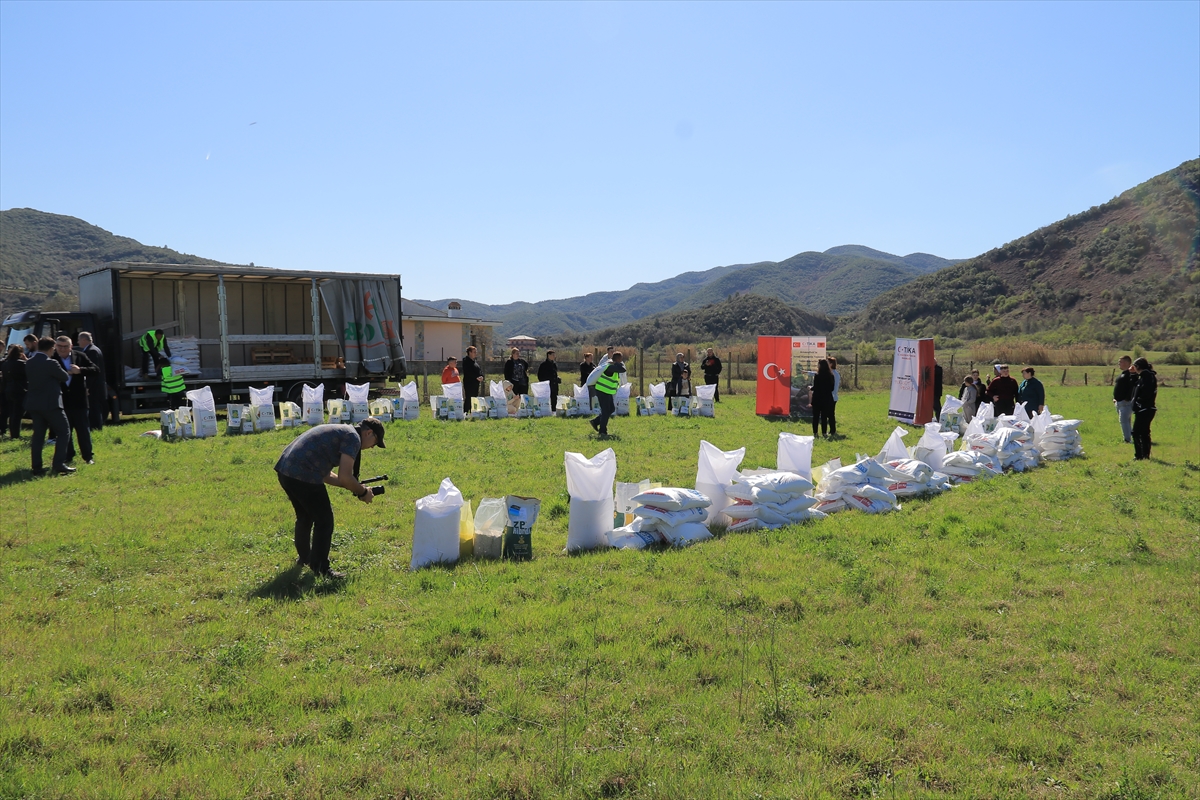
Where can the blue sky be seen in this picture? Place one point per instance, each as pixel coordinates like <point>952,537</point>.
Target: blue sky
<point>502,152</point>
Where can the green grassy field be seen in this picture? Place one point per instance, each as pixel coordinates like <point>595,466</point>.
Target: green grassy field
<point>1034,635</point>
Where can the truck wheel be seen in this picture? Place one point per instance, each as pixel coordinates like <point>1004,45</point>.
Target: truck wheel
<point>295,393</point>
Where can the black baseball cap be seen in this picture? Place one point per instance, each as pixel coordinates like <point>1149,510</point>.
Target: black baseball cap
<point>375,427</point>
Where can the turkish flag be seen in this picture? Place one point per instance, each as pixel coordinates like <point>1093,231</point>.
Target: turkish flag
<point>774,395</point>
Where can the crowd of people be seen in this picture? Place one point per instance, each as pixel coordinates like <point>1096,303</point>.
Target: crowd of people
<point>1002,391</point>
<point>61,388</point>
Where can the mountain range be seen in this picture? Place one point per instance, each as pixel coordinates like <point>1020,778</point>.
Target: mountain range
<point>838,281</point>
<point>1122,273</point>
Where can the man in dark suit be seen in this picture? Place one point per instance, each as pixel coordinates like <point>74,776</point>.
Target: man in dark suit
<point>548,371</point>
<point>97,384</point>
<point>472,377</point>
<point>44,404</point>
<point>75,395</point>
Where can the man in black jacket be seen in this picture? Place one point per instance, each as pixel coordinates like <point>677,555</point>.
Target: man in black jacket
<point>97,385</point>
<point>548,371</point>
<point>711,367</point>
<point>472,377</point>
<point>1123,396</point>
<point>937,390</point>
<point>44,404</point>
<point>75,395</point>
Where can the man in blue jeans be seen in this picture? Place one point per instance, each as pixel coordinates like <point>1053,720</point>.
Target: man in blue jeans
<point>1123,396</point>
<point>305,468</point>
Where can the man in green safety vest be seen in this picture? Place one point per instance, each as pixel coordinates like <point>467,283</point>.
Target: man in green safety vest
<point>172,386</point>
<point>606,392</point>
<point>154,347</point>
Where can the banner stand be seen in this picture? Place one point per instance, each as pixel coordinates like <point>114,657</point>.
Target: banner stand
<point>782,392</point>
<point>912,397</point>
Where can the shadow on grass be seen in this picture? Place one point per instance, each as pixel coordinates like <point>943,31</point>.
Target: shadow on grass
<point>19,475</point>
<point>294,583</point>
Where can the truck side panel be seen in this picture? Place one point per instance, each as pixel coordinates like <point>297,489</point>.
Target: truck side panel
<point>98,296</point>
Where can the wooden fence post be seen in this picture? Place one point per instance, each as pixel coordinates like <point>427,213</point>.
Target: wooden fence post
<point>729,375</point>
<point>1185,374</point>
<point>856,384</point>
<point>641,371</point>
<point>1063,382</point>
<point>1085,379</point>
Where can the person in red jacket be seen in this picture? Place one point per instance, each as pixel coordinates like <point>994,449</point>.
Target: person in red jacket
<point>450,371</point>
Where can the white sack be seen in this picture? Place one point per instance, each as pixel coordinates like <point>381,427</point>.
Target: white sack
<point>581,395</point>
<point>409,392</point>
<point>498,393</point>
<point>262,397</point>
<point>658,390</point>
<point>357,392</point>
<point>931,447</point>
<point>202,398</point>
<point>715,470</point>
<point>670,517</point>
<point>452,390</point>
<point>794,454</point>
<point>673,499</point>
<point>435,529</point>
<point>597,371</point>
<point>313,394</point>
<point>590,484</point>
<point>894,448</point>
<point>685,534</point>
<point>541,390</point>
<point>706,391</point>
<point>633,537</point>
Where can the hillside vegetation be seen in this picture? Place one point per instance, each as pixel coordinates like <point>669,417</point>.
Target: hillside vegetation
<point>1123,274</point>
<point>740,317</point>
<point>838,281</point>
<point>41,254</point>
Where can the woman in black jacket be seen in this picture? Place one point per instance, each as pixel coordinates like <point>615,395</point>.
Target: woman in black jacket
<point>13,367</point>
<point>822,397</point>
<point>1145,395</point>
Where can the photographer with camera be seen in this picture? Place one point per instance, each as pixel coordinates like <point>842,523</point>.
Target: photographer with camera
<point>304,469</point>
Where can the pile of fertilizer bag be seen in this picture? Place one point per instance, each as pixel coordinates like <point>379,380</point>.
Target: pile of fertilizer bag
<point>1056,438</point>
<point>669,515</point>
<point>770,499</point>
<point>862,486</point>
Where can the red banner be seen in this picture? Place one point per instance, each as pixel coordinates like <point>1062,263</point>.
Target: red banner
<point>774,395</point>
<point>925,397</point>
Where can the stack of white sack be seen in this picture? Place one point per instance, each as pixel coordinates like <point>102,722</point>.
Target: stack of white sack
<point>861,486</point>
<point>1056,438</point>
<point>912,477</point>
<point>675,516</point>
<point>185,355</point>
<point>770,499</point>
<point>967,466</point>
<point>1011,443</point>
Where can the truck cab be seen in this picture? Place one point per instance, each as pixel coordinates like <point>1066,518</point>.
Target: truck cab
<point>46,323</point>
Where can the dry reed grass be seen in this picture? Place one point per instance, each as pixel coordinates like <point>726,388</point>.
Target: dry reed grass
<point>1034,354</point>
